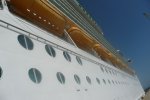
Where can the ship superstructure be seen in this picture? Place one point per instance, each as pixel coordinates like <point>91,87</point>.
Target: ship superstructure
<point>52,49</point>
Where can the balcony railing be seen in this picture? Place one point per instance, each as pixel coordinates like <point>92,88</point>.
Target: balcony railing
<point>78,16</point>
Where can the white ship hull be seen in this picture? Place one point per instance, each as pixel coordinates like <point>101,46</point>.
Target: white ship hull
<point>16,61</point>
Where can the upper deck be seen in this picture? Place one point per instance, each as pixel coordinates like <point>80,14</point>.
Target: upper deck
<point>60,16</point>
<point>74,11</point>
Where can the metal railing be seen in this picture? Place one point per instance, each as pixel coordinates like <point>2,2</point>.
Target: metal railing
<point>73,13</point>
<point>45,41</point>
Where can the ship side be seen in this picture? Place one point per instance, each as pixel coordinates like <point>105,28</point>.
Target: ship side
<point>57,52</point>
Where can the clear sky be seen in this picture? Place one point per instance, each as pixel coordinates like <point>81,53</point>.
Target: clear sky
<point>126,28</point>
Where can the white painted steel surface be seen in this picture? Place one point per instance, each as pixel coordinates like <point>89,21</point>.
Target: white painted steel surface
<point>16,61</point>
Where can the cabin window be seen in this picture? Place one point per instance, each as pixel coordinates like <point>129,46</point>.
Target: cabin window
<point>60,77</point>
<point>102,69</point>
<point>67,56</point>
<point>79,60</point>
<point>88,79</point>
<point>77,79</point>
<point>1,5</point>
<point>109,71</point>
<point>49,49</point>
<point>109,82</point>
<point>1,72</point>
<point>112,81</point>
<point>25,42</point>
<point>98,81</point>
<point>106,70</point>
<point>116,82</point>
<point>104,81</point>
<point>113,72</point>
<point>35,75</point>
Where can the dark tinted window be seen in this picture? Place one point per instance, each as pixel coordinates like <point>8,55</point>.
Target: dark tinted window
<point>1,6</point>
<point>60,77</point>
<point>116,82</point>
<point>102,69</point>
<point>98,81</point>
<point>35,75</point>
<point>88,79</point>
<point>79,60</point>
<point>112,81</point>
<point>1,72</point>
<point>109,71</point>
<point>77,79</point>
<point>104,81</point>
<point>113,72</point>
<point>106,70</point>
<point>109,82</point>
<point>50,50</point>
<point>25,42</point>
<point>67,56</point>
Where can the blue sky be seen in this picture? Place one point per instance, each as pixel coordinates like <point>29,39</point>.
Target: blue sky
<point>126,28</point>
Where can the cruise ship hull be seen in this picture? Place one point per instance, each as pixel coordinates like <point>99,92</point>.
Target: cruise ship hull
<point>35,64</point>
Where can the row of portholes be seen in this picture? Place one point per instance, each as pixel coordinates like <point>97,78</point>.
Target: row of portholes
<point>108,71</point>
<point>36,76</point>
<point>1,72</point>
<point>28,44</point>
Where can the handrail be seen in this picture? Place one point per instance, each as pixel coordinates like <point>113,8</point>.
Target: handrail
<point>45,41</point>
<point>77,18</point>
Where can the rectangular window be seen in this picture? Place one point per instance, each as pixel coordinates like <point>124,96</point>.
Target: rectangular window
<point>1,5</point>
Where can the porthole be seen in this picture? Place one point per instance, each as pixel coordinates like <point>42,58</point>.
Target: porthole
<point>102,69</point>
<point>116,82</point>
<point>49,49</point>
<point>112,81</point>
<point>104,81</point>
<point>109,82</point>
<point>35,75</point>
<point>25,42</point>
<point>67,56</point>
<point>88,79</point>
<point>79,60</point>
<point>98,81</point>
<point>60,77</point>
<point>1,5</point>
<point>109,71</point>
<point>106,70</point>
<point>1,72</point>
<point>77,79</point>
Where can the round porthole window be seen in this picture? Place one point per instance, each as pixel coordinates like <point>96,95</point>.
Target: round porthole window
<point>1,72</point>
<point>50,50</point>
<point>109,82</point>
<point>77,79</point>
<point>106,70</point>
<point>104,81</point>
<point>102,69</point>
<point>79,60</point>
<point>98,81</point>
<point>35,75</point>
<point>60,77</point>
<point>88,79</point>
<point>67,56</point>
<point>25,42</point>
<point>112,81</point>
